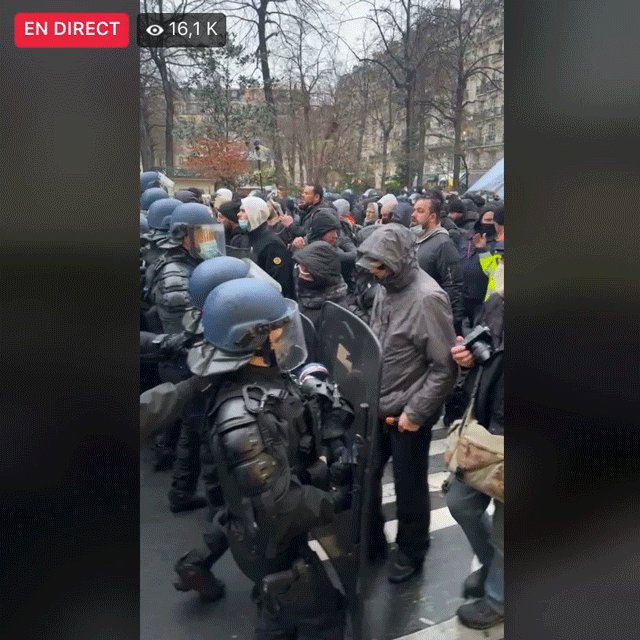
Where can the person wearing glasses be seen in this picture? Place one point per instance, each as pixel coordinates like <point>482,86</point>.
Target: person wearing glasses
<point>411,317</point>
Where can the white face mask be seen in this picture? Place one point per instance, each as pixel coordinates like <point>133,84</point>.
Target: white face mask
<point>416,229</point>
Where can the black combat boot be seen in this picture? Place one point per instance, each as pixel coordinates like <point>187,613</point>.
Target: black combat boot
<point>194,577</point>
<point>185,501</point>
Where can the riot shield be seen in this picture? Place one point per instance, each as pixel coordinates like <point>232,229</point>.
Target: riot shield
<point>352,354</point>
<point>310,338</point>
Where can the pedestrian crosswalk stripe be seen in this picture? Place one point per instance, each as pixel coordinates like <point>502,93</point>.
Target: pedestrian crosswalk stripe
<point>452,630</point>
<point>438,447</point>
<point>435,485</point>
<point>440,519</point>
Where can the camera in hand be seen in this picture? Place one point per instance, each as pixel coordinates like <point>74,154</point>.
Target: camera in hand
<point>480,343</point>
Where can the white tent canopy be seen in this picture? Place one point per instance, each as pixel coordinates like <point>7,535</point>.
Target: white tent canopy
<point>492,181</point>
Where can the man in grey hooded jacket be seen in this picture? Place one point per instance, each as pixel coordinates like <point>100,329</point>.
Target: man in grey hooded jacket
<point>411,317</point>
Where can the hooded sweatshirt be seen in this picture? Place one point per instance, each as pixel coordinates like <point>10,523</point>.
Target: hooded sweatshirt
<point>411,317</point>
<point>321,260</point>
<point>257,211</point>
<point>271,253</point>
<point>401,214</point>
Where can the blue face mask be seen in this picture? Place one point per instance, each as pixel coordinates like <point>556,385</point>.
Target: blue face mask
<point>416,229</point>
<point>209,250</point>
<point>243,224</point>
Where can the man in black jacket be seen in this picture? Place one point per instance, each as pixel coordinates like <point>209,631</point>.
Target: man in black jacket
<point>311,202</point>
<point>271,254</point>
<point>437,254</point>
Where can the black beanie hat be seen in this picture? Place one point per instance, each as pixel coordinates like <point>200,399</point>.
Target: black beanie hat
<point>230,210</point>
<point>324,220</point>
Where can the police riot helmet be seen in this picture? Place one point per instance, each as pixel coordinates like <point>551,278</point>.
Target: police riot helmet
<point>240,315</point>
<point>211,273</point>
<point>149,196</point>
<point>185,195</point>
<point>149,179</point>
<point>160,212</point>
<point>144,224</point>
<point>195,221</point>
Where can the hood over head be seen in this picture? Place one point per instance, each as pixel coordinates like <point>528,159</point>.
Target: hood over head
<point>342,206</point>
<point>401,214</point>
<point>387,202</point>
<point>322,262</point>
<point>394,246</point>
<point>257,211</point>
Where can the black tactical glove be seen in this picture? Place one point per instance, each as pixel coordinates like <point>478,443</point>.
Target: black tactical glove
<point>341,497</point>
<point>175,345</point>
<point>340,474</point>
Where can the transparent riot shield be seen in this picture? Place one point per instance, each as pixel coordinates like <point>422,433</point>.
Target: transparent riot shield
<point>310,337</point>
<point>351,353</point>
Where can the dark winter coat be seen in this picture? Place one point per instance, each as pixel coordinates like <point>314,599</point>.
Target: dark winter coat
<point>438,256</point>
<point>273,256</point>
<point>454,231</point>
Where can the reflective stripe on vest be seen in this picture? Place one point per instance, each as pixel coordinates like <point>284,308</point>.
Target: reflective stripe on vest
<point>489,263</point>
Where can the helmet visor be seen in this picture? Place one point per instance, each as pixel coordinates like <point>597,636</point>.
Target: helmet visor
<point>207,241</point>
<point>287,340</point>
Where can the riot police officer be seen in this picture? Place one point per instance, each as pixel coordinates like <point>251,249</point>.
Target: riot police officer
<point>275,456</point>
<point>194,236</point>
<point>149,196</point>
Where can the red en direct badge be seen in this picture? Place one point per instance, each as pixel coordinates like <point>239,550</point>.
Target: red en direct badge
<point>71,30</point>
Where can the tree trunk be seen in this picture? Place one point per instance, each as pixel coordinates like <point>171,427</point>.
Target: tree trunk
<point>263,54</point>
<point>409,134</point>
<point>458,122</point>
<point>146,142</point>
<point>422,132</point>
<point>167,90</point>
<point>386,134</point>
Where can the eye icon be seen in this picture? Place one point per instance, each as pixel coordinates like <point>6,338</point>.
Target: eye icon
<point>154,30</point>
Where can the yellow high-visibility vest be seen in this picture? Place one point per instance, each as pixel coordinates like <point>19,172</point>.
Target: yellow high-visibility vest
<point>490,263</point>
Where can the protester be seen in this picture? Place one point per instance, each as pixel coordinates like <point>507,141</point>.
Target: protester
<point>411,316</point>
<point>319,278</point>
<point>437,255</point>
<point>271,254</point>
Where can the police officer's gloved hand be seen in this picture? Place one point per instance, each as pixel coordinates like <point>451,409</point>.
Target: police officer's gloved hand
<point>175,345</point>
<point>340,474</point>
<point>341,497</point>
<point>337,452</point>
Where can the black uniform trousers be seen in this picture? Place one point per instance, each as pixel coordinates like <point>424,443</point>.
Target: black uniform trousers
<point>410,453</point>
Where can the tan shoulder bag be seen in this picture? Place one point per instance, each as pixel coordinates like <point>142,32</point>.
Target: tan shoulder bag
<point>476,456</point>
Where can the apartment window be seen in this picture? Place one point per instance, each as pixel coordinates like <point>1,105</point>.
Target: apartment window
<point>491,134</point>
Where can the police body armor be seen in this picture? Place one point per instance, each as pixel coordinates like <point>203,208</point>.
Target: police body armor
<point>167,287</point>
<point>167,290</point>
<point>267,457</point>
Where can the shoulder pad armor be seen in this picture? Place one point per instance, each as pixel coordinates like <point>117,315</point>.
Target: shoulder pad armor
<point>313,386</point>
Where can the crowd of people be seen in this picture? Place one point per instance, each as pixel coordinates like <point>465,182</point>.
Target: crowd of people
<point>225,287</point>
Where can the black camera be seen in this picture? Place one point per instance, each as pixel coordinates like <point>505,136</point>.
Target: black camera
<point>480,343</point>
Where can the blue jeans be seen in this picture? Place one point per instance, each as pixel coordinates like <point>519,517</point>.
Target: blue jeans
<point>468,507</point>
